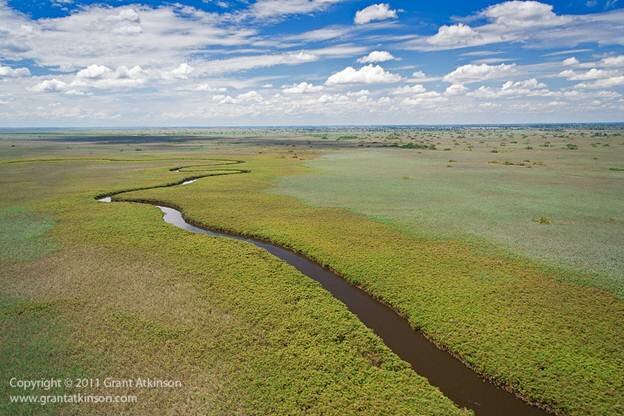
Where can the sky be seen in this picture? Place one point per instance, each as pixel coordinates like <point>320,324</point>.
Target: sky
<point>119,63</point>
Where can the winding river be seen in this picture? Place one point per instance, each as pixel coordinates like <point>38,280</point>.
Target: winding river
<point>458,382</point>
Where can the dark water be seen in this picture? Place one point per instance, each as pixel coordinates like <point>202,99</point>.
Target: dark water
<point>453,378</point>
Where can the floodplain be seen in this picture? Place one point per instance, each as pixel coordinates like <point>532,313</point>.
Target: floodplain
<point>503,246</point>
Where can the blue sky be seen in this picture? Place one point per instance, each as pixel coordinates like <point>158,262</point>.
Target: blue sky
<point>289,62</point>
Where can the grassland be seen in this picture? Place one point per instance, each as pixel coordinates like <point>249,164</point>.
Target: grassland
<point>146,298</point>
<point>96,290</point>
<point>471,193</point>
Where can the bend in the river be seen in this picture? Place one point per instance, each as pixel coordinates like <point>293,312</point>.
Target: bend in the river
<point>457,381</point>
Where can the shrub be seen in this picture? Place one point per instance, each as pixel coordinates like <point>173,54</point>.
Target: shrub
<point>543,220</point>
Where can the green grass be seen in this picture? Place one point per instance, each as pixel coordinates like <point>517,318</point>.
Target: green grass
<point>245,333</point>
<point>34,344</point>
<point>481,200</point>
<point>23,234</point>
<point>153,300</point>
<point>512,319</point>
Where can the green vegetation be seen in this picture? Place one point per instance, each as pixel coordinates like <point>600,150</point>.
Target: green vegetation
<point>249,335</point>
<point>23,234</point>
<point>544,220</point>
<point>245,333</point>
<point>492,200</point>
<point>511,319</point>
<point>34,343</point>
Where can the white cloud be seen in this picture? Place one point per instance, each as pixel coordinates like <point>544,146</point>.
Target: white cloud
<point>302,88</point>
<point>592,74</point>
<point>182,71</point>
<point>456,89</point>
<point>134,72</point>
<point>109,83</point>
<point>533,23</point>
<point>359,94</point>
<point>113,36</point>
<point>615,61</point>
<point>610,82</point>
<point>474,73</point>
<point>318,35</point>
<point>271,9</point>
<point>95,77</point>
<point>424,99</point>
<point>247,62</point>
<point>94,72</point>
<point>523,14</point>
<point>125,15</point>
<point>376,56</point>
<point>250,96</point>
<point>527,88</point>
<point>244,98</point>
<point>420,76</point>
<point>491,60</point>
<point>454,36</point>
<point>204,86</point>
<point>8,72</point>
<point>409,89</point>
<point>49,85</point>
<point>369,74</point>
<point>146,53</point>
<point>381,11</point>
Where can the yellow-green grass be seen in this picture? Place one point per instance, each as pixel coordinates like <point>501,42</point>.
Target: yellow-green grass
<point>559,206</point>
<point>113,291</point>
<point>516,321</point>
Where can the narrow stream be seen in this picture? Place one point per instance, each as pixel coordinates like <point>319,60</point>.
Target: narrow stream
<point>458,382</point>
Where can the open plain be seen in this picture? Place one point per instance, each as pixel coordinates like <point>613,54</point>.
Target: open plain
<point>503,246</point>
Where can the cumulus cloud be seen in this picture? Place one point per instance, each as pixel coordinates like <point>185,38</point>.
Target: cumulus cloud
<point>409,89</point>
<point>94,72</point>
<point>610,82</point>
<point>376,56</point>
<point>530,22</point>
<point>49,85</point>
<point>592,74</point>
<point>302,88</point>
<point>369,74</point>
<point>613,61</point>
<point>375,12</point>
<point>182,71</point>
<point>423,99</point>
<point>420,76</point>
<point>113,36</point>
<point>527,88</point>
<point>244,98</point>
<point>188,57</point>
<point>456,89</point>
<point>95,77</point>
<point>8,72</point>
<point>609,76</point>
<point>475,73</point>
<point>570,61</point>
<point>520,14</point>
<point>454,36</point>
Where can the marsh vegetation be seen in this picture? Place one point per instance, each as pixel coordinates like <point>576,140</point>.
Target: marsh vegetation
<point>101,290</point>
